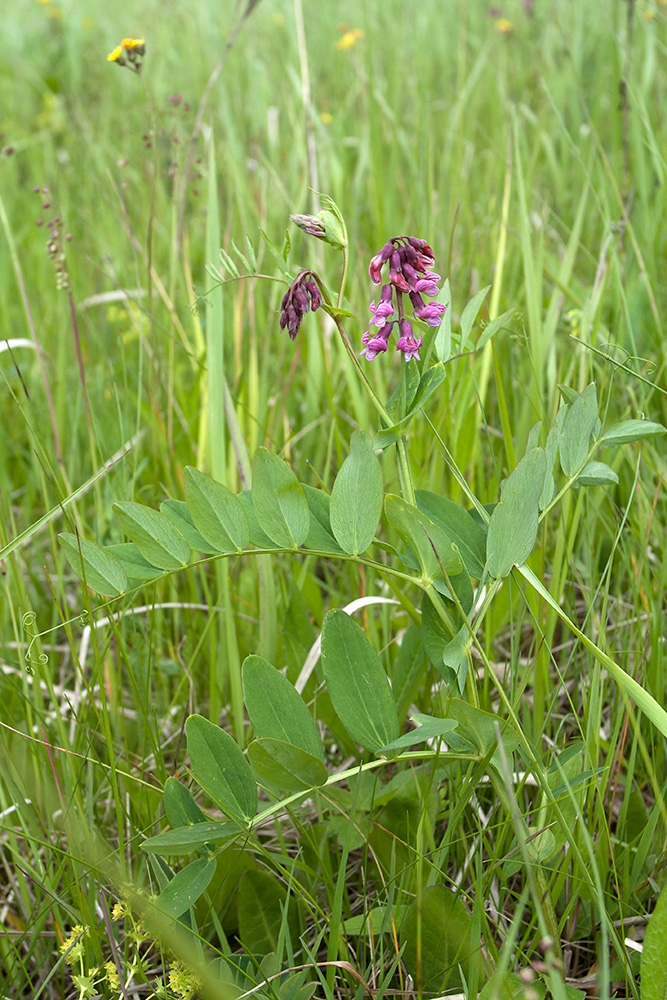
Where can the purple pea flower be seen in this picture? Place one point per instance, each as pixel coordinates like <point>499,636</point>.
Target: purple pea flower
<point>431,314</point>
<point>426,286</point>
<point>410,263</point>
<point>396,273</point>
<point>384,308</point>
<point>375,266</point>
<point>407,343</point>
<point>375,344</point>
<point>301,296</point>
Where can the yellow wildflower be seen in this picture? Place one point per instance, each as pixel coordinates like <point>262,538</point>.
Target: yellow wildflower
<point>112,975</point>
<point>74,951</point>
<point>326,118</point>
<point>504,26</point>
<point>129,53</point>
<point>182,982</point>
<point>349,39</point>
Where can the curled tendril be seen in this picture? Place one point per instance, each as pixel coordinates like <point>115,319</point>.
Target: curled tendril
<point>84,619</point>
<point>30,659</point>
<point>29,619</point>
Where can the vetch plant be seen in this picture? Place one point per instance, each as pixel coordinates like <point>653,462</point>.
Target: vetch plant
<point>446,564</point>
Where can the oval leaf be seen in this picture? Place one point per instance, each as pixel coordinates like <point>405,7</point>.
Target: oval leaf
<point>276,709</point>
<point>179,805</point>
<point>446,942</point>
<point>578,426</point>
<point>154,535</point>
<point>630,430</point>
<point>429,543</point>
<point>186,887</point>
<point>134,564</point>
<point>513,525</point>
<point>220,768</point>
<point>103,572</point>
<point>358,686</point>
<point>262,902</point>
<point>281,765</point>
<point>216,512</point>
<point>188,839</point>
<point>278,501</point>
<point>320,536</point>
<point>356,498</point>
<point>179,515</point>
<point>596,474</point>
<point>429,729</point>
<point>458,525</point>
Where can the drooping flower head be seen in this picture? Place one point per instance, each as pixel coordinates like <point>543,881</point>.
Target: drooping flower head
<point>301,296</point>
<point>410,261</point>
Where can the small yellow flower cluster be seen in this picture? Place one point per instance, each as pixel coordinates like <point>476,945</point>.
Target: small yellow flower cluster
<point>349,38</point>
<point>74,950</point>
<point>119,911</point>
<point>504,26</point>
<point>113,978</point>
<point>181,982</point>
<point>130,53</point>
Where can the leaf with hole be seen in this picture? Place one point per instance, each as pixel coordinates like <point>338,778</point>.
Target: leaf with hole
<point>102,572</point>
<point>216,512</point>
<point>356,498</point>
<point>278,501</point>
<point>358,686</point>
<point>221,769</point>
<point>154,535</point>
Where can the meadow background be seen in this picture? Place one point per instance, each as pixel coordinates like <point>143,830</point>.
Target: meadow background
<point>527,145</point>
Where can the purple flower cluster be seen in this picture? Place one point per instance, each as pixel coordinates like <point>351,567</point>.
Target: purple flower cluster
<point>410,261</point>
<point>301,296</point>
